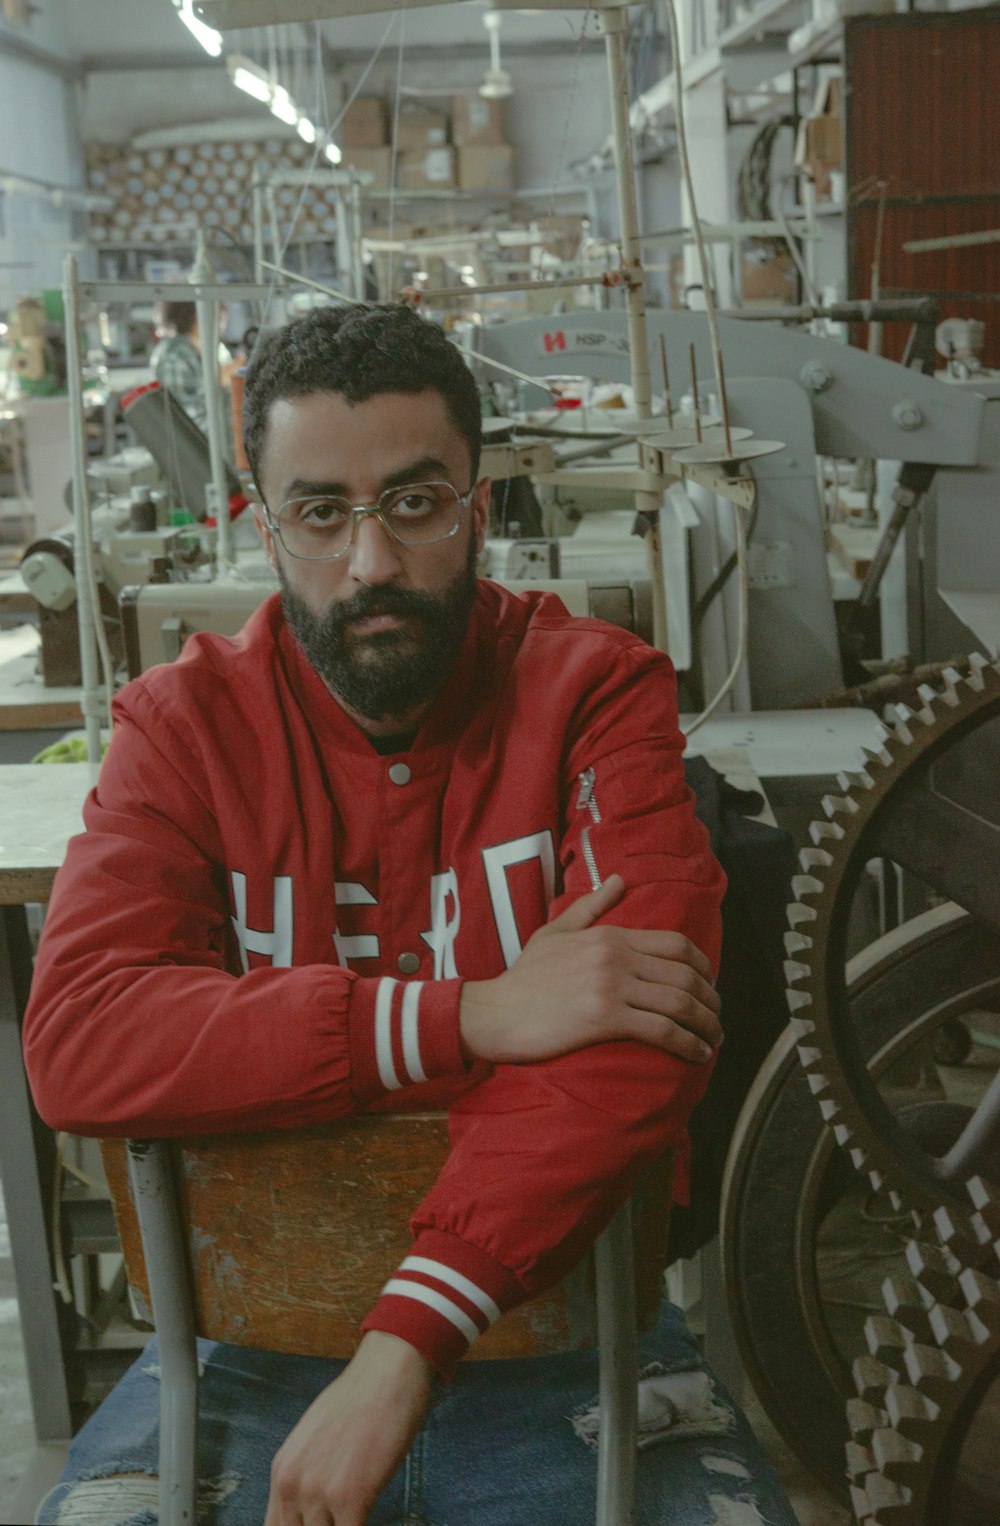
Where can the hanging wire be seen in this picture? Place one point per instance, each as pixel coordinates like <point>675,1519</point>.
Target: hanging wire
<point>395,138</point>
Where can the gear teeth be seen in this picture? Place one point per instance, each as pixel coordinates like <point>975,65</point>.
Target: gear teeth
<point>878,757</point>
<point>886,1338</point>
<point>967,1238</point>
<point>974,677</point>
<point>872,1377</point>
<point>797,943</point>
<point>805,884</point>
<point>815,858</point>
<point>859,1457</point>
<point>863,1418</point>
<point>816,1082</point>
<point>842,1135</point>
<point>932,1371</point>
<point>935,1268</point>
<point>876,1178</point>
<point>895,1200</point>
<point>897,1458</point>
<point>909,1305</point>
<point>927,713</point>
<point>858,1158</point>
<point>828,1107</point>
<point>829,831</point>
<point>801,1027</point>
<point>982,1294</point>
<point>798,913</point>
<point>909,1411</point>
<point>985,1200</point>
<point>954,1331</point>
<point>795,970</point>
<point>901,726</point>
<point>797,1000</point>
<point>888,1502</point>
<point>809,1056</point>
<point>839,805</point>
<point>854,779</point>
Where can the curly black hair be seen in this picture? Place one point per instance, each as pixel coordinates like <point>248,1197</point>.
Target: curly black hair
<point>357,352</point>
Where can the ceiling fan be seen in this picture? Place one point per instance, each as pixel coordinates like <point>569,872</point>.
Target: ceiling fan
<point>495,85</point>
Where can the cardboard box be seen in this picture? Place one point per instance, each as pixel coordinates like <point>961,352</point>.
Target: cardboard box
<point>486,169</point>
<point>364,124</point>
<point>429,169</point>
<point>375,161</point>
<point>824,143</point>
<point>476,120</point>
<point>420,127</point>
<point>768,276</point>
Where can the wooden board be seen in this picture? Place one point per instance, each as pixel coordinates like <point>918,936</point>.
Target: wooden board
<point>292,1236</point>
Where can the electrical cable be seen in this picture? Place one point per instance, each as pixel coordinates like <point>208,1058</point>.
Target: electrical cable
<point>744,613</point>
<point>718,583</point>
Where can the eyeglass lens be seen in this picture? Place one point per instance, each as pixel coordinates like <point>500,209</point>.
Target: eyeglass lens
<point>414,514</point>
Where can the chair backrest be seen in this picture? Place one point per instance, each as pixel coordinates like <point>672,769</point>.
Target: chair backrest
<point>289,1237</point>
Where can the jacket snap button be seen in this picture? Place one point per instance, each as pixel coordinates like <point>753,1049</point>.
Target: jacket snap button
<point>399,773</point>
<point>409,963</point>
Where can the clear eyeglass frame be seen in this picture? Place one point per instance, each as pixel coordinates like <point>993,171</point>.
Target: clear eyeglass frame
<point>376,510</point>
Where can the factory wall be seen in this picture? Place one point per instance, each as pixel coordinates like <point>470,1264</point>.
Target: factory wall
<point>39,138</point>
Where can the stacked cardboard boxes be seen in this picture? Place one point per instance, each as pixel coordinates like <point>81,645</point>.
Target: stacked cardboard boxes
<point>485,161</point>
<point>363,135</point>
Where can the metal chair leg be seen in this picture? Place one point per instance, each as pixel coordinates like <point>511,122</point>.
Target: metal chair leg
<point>618,1348</point>
<point>173,1315</point>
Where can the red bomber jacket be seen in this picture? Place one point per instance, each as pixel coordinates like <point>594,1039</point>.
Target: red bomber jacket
<point>266,924</point>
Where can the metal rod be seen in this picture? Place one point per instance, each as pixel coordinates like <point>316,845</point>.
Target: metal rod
<point>294,275</point>
<point>442,293</point>
<point>667,404</point>
<point>357,239</point>
<point>694,392</point>
<point>208,329</point>
<point>618,1399</point>
<point>725,408</point>
<point>646,503</point>
<point>91,699</point>
<point>173,1313</point>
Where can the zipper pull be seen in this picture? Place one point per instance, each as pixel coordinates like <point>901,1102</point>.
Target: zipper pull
<point>586,795</point>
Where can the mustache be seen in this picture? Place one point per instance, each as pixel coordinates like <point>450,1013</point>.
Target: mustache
<point>387,600</point>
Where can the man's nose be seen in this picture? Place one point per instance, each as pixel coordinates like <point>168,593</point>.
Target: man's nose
<point>374,555</point>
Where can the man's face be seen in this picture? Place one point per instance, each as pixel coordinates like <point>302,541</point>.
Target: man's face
<point>383,624</point>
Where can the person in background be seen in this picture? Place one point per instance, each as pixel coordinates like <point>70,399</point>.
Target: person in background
<point>176,360</point>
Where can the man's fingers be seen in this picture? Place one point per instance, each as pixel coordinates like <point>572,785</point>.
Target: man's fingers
<point>585,910</point>
<point>667,945</point>
<point>679,1007</point>
<point>680,977</point>
<point>664,1033</point>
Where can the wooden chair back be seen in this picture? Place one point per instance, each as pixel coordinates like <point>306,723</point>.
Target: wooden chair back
<point>290,1237</point>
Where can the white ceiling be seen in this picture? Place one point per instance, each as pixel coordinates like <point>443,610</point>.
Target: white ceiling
<point>93,30</point>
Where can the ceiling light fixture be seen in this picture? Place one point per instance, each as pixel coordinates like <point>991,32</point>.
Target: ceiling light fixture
<point>210,39</point>
<point>247,76</point>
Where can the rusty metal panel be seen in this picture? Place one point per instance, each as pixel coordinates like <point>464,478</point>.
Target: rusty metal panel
<point>920,118</point>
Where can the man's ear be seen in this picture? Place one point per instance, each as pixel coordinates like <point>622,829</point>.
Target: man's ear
<point>265,534</point>
<point>481,510</point>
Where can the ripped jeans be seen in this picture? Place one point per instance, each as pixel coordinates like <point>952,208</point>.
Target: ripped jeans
<point>508,1443</point>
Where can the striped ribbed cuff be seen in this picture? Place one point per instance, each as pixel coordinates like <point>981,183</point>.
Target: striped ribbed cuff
<point>403,1032</point>
<point>444,1296</point>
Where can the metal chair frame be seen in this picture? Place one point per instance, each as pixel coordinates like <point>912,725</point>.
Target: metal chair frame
<point>163,1239</point>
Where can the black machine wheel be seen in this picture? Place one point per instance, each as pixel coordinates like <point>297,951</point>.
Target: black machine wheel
<point>790,1196</point>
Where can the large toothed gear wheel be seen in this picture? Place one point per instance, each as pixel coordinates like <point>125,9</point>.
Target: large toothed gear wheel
<point>928,801</point>
<point>804,1237</point>
<point>924,1422</point>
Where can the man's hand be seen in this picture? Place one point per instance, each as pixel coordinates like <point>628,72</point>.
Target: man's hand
<point>575,984</point>
<point>332,1467</point>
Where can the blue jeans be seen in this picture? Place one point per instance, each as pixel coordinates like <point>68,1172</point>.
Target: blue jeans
<point>505,1444</point>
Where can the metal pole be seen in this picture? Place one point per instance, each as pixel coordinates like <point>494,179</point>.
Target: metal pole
<point>155,1199</point>
<point>91,696</point>
<point>357,256</point>
<point>618,1345</point>
<point>635,299</point>
<point>208,329</point>
<point>258,234</point>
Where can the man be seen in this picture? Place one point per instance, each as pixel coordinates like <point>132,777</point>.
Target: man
<point>176,360</point>
<point>397,771</point>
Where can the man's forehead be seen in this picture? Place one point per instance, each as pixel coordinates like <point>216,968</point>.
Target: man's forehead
<point>322,434</point>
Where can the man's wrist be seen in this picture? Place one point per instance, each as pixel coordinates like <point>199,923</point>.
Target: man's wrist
<point>393,1358</point>
<point>474,1019</point>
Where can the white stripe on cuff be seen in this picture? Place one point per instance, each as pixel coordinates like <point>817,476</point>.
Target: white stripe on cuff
<point>383,1035</point>
<point>436,1301</point>
<point>447,1274</point>
<point>411,1035</point>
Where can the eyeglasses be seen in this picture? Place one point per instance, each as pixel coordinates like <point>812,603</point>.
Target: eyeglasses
<point>321,528</point>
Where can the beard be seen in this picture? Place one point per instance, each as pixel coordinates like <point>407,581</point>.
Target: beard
<point>388,673</point>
